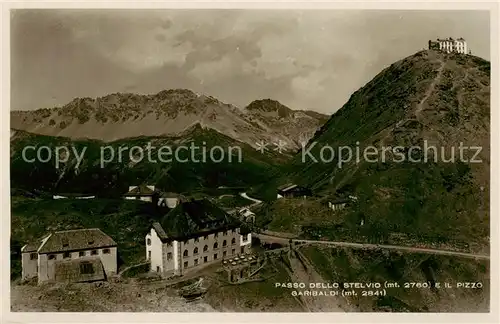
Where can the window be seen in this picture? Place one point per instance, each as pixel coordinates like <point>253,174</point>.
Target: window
<point>242,249</point>
<point>65,245</point>
<point>149,255</point>
<point>233,241</point>
<point>107,251</point>
<point>216,245</point>
<point>86,268</point>
<point>91,242</point>
<point>205,259</point>
<point>149,241</point>
<point>215,256</point>
<point>224,254</point>
<point>186,253</point>
<point>245,238</point>
<point>233,251</point>
<point>52,256</point>
<point>93,252</point>
<point>157,268</point>
<point>81,253</point>
<point>169,256</point>
<point>66,255</point>
<point>33,256</point>
<point>205,248</point>
<point>224,243</point>
<point>196,262</point>
<point>195,251</point>
<point>186,264</point>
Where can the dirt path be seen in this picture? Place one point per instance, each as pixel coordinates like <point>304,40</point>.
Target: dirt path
<point>430,90</point>
<point>304,272</point>
<point>263,238</point>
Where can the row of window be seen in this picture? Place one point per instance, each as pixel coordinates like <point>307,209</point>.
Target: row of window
<point>205,259</point>
<point>205,248</point>
<point>67,255</point>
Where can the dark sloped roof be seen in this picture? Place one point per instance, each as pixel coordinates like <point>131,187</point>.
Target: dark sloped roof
<point>195,218</point>
<point>285,186</point>
<point>80,239</point>
<point>141,190</point>
<point>159,230</point>
<point>33,245</point>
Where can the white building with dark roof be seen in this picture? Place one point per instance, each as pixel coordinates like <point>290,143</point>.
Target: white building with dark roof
<point>193,234</point>
<point>70,256</point>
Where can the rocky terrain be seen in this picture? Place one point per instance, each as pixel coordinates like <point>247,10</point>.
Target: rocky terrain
<point>168,113</point>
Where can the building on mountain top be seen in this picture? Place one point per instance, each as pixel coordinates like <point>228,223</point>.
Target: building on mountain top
<point>293,190</point>
<point>193,234</point>
<point>141,192</point>
<point>449,45</point>
<point>70,256</point>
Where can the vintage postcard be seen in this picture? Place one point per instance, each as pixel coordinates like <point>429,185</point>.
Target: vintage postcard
<point>250,160</point>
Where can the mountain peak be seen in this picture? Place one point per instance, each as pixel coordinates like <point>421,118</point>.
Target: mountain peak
<point>269,105</point>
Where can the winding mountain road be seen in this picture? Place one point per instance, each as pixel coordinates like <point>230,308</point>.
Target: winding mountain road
<point>278,239</point>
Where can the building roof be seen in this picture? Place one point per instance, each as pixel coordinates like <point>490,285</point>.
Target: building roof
<point>141,190</point>
<point>339,200</point>
<point>170,195</point>
<point>80,239</point>
<point>30,247</point>
<point>283,187</point>
<point>194,218</point>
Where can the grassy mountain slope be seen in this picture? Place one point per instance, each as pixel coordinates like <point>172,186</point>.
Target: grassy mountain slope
<point>184,175</point>
<point>432,99</point>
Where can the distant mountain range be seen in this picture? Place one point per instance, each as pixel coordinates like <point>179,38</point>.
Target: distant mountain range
<point>169,113</point>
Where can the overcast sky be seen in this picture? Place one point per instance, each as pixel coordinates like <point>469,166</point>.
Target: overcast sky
<point>305,59</point>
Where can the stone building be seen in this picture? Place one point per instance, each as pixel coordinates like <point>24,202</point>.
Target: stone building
<point>193,234</point>
<point>170,199</point>
<point>449,45</point>
<point>70,256</point>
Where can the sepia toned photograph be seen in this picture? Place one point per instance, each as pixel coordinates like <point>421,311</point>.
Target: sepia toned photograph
<point>250,161</point>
